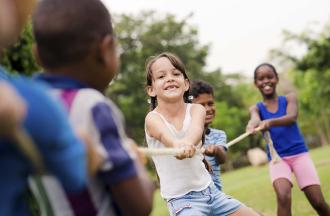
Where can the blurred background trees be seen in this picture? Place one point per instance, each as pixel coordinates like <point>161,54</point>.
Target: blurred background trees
<point>148,33</point>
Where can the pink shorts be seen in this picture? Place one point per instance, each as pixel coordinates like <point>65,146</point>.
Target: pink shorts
<point>301,165</point>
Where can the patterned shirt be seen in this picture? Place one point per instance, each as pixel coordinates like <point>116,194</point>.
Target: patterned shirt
<point>63,153</point>
<point>92,111</point>
<point>219,138</point>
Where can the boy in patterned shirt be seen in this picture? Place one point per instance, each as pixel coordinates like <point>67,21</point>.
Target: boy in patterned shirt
<point>215,140</point>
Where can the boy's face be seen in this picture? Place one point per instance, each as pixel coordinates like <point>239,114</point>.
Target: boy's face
<point>207,101</point>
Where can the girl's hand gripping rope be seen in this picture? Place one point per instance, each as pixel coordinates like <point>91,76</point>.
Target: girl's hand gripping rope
<point>167,151</point>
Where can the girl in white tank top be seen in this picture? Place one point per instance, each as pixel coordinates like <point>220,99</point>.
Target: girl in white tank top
<point>184,181</point>
<point>175,123</point>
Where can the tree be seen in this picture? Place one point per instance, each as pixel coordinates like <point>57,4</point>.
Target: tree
<point>19,57</point>
<point>311,73</point>
<point>147,34</point>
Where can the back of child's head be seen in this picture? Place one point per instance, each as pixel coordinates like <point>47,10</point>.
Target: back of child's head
<point>264,65</point>
<point>175,61</point>
<point>199,87</point>
<point>67,30</point>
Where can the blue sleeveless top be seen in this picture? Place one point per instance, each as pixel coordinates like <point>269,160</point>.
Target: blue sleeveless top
<point>287,139</point>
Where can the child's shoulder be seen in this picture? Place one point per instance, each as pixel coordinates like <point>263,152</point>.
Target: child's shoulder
<point>217,132</point>
<point>290,96</point>
<point>194,107</point>
<point>88,99</point>
<point>152,116</point>
<point>91,95</point>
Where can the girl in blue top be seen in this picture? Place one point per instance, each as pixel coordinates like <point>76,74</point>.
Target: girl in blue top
<point>278,114</point>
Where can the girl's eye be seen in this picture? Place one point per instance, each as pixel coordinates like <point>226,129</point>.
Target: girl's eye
<point>260,78</point>
<point>177,73</point>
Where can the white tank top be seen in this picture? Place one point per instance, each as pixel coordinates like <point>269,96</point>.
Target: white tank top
<point>179,177</point>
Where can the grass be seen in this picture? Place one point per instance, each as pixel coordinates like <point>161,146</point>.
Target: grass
<point>251,185</point>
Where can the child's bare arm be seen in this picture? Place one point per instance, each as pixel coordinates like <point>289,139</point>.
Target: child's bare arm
<point>128,194</point>
<point>196,127</point>
<point>254,119</point>
<point>216,151</point>
<point>131,197</point>
<point>290,117</point>
<point>157,129</point>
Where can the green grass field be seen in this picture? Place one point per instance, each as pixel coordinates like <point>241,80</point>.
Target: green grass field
<point>251,185</point>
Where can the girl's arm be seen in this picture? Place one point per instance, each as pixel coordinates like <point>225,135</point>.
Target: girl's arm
<point>254,119</point>
<point>196,127</point>
<point>290,117</point>
<point>157,129</point>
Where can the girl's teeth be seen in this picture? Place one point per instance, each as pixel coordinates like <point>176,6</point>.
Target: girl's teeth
<point>267,87</point>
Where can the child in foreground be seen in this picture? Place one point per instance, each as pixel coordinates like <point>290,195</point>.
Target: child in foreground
<point>25,105</point>
<point>75,44</point>
<point>185,183</point>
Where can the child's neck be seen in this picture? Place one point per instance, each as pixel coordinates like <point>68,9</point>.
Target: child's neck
<point>170,110</point>
<point>270,98</point>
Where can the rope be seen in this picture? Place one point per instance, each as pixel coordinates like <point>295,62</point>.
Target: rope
<point>275,157</point>
<point>175,151</point>
<point>165,151</point>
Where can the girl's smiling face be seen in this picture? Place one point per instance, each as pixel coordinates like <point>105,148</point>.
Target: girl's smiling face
<point>266,81</point>
<point>168,82</point>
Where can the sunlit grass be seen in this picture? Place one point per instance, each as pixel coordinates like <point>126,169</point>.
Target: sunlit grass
<point>251,185</point>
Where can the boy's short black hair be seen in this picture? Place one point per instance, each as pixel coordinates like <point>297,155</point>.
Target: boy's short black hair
<point>66,30</point>
<point>199,87</point>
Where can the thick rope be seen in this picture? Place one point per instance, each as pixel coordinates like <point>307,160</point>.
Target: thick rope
<point>176,151</point>
<point>275,157</point>
<point>165,151</point>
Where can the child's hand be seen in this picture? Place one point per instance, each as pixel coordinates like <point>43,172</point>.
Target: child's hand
<point>251,127</point>
<point>188,150</point>
<point>264,125</point>
<point>210,150</point>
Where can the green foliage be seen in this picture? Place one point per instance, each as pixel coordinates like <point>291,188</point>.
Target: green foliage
<point>311,73</point>
<point>147,34</point>
<point>19,57</point>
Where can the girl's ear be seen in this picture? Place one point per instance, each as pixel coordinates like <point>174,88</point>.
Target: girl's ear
<point>150,91</point>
